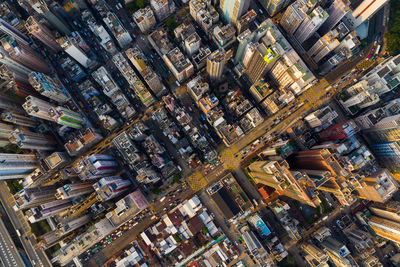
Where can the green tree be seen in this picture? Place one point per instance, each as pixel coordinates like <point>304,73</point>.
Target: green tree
<point>171,23</point>
<point>156,190</point>
<point>177,178</point>
<point>140,3</point>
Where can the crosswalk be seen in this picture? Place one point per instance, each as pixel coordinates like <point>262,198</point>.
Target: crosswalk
<point>6,253</point>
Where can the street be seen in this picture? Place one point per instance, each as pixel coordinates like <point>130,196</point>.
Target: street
<point>20,223</point>
<point>9,254</point>
<point>117,245</point>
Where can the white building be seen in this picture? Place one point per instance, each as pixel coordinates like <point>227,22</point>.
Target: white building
<point>145,19</point>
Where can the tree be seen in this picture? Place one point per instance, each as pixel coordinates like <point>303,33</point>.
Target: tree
<point>171,23</point>
<point>177,178</point>
<point>140,3</point>
<point>156,190</point>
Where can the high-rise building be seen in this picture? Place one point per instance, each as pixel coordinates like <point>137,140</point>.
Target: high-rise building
<point>16,82</point>
<point>362,12</point>
<point>25,55</point>
<point>274,6</point>
<point>11,23</point>
<point>129,74</point>
<point>38,108</point>
<point>294,184</point>
<point>74,190</point>
<point>47,210</point>
<point>6,59</point>
<point>315,256</point>
<point>324,46</point>
<point>378,187</point>
<point>51,15</point>
<point>151,78</point>
<point>35,196</point>
<point>55,161</point>
<point>18,119</point>
<point>13,32</point>
<point>42,33</point>
<point>105,39</point>
<point>337,252</point>
<point>162,8</point>
<point>244,39</point>
<point>389,210</point>
<point>192,44</point>
<point>339,131</point>
<point>259,61</point>
<point>67,117</point>
<point>336,11</point>
<point>310,24</point>
<point>244,22</point>
<point>216,64</point>
<point>180,66</point>
<point>232,10</point>
<point>74,46</point>
<point>53,237</point>
<point>31,140</point>
<point>110,187</point>
<point>115,26</point>
<point>145,19</point>
<point>96,166</point>
<point>386,228</point>
<point>48,87</point>
<point>15,166</point>
<point>295,15</point>
<point>327,174</point>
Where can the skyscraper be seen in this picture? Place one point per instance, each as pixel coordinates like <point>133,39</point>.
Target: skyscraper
<point>324,45</point>
<point>25,55</point>
<point>73,190</point>
<point>259,61</point>
<point>18,119</point>
<point>42,33</point>
<point>15,166</point>
<point>336,11</point>
<point>386,228</point>
<point>35,196</point>
<point>216,64</point>
<point>232,10</point>
<point>311,24</point>
<point>31,140</point>
<point>110,187</point>
<point>274,6</point>
<point>74,46</point>
<point>244,39</point>
<point>48,87</point>
<point>47,210</point>
<point>294,184</point>
<point>38,108</point>
<point>96,166</point>
<point>6,59</point>
<point>13,32</point>
<point>378,187</point>
<point>67,117</point>
<point>51,15</point>
<point>327,174</point>
<point>294,16</point>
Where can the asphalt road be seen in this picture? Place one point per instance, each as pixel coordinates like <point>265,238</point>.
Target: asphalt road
<point>9,254</point>
<point>19,222</point>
